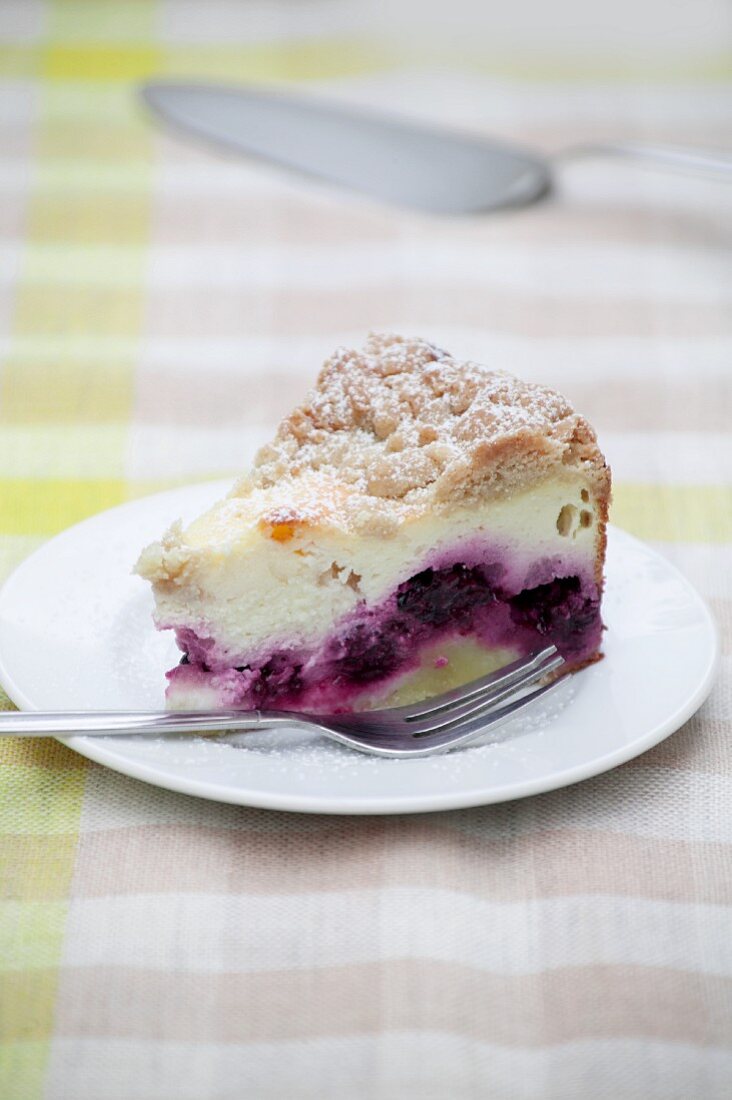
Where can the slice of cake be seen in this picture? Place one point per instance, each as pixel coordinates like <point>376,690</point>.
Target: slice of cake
<point>417,522</point>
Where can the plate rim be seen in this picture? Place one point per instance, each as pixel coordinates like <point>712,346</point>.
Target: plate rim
<point>373,805</point>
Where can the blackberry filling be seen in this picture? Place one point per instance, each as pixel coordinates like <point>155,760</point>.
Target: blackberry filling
<point>372,650</point>
<point>279,677</point>
<point>560,609</point>
<point>439,596</point>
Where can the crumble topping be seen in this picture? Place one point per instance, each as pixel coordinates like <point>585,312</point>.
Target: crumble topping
<point>402,425</point>
<point>388,434</point>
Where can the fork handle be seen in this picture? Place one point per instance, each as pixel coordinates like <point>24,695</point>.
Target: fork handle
<point>153,723</point>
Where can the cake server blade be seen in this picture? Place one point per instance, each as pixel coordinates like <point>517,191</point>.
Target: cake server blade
<point>386,157</point>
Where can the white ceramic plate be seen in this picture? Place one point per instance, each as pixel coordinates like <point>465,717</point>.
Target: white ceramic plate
<point>76,633</point>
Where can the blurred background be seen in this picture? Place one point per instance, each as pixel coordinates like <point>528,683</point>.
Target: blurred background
<point>162,304</point>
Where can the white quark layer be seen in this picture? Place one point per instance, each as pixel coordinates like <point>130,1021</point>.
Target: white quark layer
<point>250,592</point>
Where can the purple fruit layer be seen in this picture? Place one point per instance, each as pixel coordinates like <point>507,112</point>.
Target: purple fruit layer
<point>372,646</point>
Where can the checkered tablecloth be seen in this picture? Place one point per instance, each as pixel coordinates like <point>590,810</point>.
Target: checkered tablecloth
<point>160,307</point>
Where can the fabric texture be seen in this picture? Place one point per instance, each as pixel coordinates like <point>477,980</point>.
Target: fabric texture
<point>160,307</point>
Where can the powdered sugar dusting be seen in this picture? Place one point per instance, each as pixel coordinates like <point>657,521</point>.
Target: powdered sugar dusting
<point>403,425</point>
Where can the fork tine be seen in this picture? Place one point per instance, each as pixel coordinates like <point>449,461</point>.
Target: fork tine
<point>490,700</point>
<point>476,689</point>
<point>388,741</point>
<point>480,724</point>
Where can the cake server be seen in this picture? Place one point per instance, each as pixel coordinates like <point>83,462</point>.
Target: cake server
<point>396,160</point>
<point>423,729</point>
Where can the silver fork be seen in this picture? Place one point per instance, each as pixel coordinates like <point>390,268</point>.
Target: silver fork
<point>423,729</point>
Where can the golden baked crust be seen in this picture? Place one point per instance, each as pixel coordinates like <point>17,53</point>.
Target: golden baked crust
<point>402,427</point>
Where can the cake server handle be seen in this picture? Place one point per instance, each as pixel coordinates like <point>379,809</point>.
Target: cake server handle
<point>711,163</point>
<point>151,723</point>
